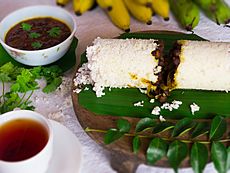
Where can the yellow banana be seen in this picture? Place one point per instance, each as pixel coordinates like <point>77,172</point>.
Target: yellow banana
<point>119,15</point>
<point>62,2</point>
<point>81,6</point>
<point>105,4</point>
<point>147,3</point>
<point>161,7</point>
<point>140,12</point>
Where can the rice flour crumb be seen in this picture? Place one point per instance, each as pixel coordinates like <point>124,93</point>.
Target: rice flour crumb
<point>170,106</point>
<point>156,110</point>
<point>161,118</point>
<point>152,101</point>
<point>139,104</point>
<point>194,108</point>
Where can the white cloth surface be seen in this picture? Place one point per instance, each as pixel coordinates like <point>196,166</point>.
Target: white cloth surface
<point>58,105</point>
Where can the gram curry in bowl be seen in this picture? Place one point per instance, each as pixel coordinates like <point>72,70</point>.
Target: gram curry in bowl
<point>37,33</point>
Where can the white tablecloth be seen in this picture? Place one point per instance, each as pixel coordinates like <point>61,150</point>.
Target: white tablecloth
<point>58,105</point>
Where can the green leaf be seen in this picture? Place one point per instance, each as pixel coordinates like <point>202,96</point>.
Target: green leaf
<point>219,156</point>
<point>9,72</point>
<point>51,72</point>
<point>36,45</point>
<point>52,86</point>
<point>144,123</point>
<point>177,152</point>
<point>34,35</point>
<point>198,157</point>
<point>163,126</point>
<point>123,125</point>
<point>36,71</point>
<point>156,150</point>
<point>112,135</point>
<point>200,129</point>
<point>24,82</point>
<point>54,32</point>
<point>26,26</point>
<point>183,126</point>
<point>4,77</point>
<point>218,128</point>
<point>136,144</point>
<point>228,160</point>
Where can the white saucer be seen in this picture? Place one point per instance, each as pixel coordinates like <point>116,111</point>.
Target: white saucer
<point>67,151</point>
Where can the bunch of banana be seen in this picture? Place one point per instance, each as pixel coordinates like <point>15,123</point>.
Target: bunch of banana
<point>161,7</point>
<point>186,12</point>
<point>62,2</point>
<point>79,6</point>
<point>139,11</point>
<point>216,10</point>
<point>147,3</point>
<point>118,13</point>
<point>105,4</point>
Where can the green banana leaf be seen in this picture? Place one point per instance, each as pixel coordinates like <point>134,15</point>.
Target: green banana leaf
<point>65,63</point>
<point>119,102</point>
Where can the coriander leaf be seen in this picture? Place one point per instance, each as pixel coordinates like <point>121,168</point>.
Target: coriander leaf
<point>156,150</point>
<point>52,76</point>
<point>11,100</point>
<point>52,86</point>
<point>36,45</point>
<point>54,32</point>
<point>24,82</point>
<point>4,77</point>
<point>36,72</point>
<point>26,26</point>
<point>7,68</point>
<point>34,35</point>
<point>136,144</point>
<point>51,72</point>
<point>9,72</point>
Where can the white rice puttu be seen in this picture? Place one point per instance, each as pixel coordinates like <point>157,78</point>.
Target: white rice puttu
<point>203,65</point>
<point>124,63</point>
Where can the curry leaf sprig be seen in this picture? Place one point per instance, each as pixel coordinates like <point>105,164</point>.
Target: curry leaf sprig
<point>23,82</point>
<point>175,146</point>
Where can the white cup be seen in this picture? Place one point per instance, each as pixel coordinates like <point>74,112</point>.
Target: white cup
<point>39,162</point>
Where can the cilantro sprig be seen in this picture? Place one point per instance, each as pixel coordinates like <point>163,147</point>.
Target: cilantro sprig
<point>23,82</point>
<point>54,32</point>
<point>26,26</point>
<point>34,35</point>
<point>36,45</point>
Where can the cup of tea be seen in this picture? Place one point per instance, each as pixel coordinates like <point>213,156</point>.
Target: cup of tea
<point>26,142</point>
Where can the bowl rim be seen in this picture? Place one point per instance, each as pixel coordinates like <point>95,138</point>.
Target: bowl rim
<point>39,6</point>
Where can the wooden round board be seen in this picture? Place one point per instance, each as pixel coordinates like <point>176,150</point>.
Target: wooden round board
<point>123,158</point>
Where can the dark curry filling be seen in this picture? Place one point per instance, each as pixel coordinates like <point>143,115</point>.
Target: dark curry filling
<point>160,89</point>
<point>173,63</point>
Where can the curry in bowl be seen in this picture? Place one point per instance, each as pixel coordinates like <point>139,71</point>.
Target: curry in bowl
<point>37,33</point>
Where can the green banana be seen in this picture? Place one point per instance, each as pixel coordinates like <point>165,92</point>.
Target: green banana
<point>186,12</point>
<point>216,10</point>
